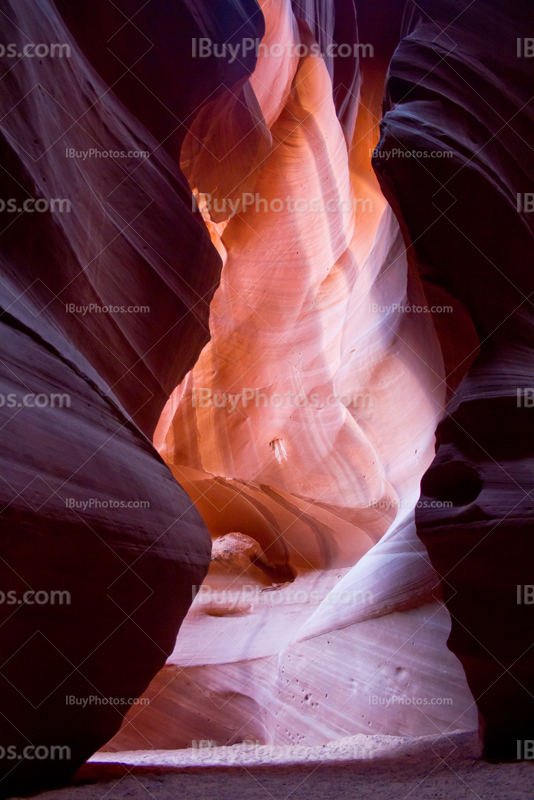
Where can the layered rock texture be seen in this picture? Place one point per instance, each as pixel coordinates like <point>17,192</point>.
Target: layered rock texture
<point>468,218</point>
<point>303,431</point>
<point>290,328</point>
<point>100,546</point>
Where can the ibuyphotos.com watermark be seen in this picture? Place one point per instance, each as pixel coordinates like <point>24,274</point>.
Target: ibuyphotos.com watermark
<point>386,504</point>
<point>41,400</point>
<point>41,597</point>
<point>32,50</point>
<point>95,308</point>
<point>95,502</point>
<point>205,398</point>
<point>254,595</point>
<point>31,205</point>
<point>253,750</point>
<point>525,397</point>
<point>95,700</point>
<point>525,48</point>
<point>525,594</point>
<point>255,203</point>
<point>525,749</point>
<point>94,152</point>
<point>525,202</point>
<point>401,700</point>
<point>376,308</point>
<point>401,152</point>
<point>206,48</point>
<point>31,752</point>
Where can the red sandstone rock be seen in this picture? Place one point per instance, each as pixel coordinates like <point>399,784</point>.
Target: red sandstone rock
<point>128,238</point>
<point>460,83</point>
<point>308,503</point>
<point>284,656</point>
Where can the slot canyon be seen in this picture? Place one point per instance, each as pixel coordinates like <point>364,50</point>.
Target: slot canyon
<point>266,398</point>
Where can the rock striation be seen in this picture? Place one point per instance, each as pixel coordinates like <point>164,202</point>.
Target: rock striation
<point>100,546</point>
<point>315,366</point>
<point>326,484</point>
<point>459,83</point>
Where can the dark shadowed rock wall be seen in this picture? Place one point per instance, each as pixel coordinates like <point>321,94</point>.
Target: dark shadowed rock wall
<point>460,85</point>
<point>99,547</point>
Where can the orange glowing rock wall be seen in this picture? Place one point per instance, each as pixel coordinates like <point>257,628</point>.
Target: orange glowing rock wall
<point>320,596</point>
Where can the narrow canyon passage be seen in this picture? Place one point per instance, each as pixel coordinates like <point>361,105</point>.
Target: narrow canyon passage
<point>266,391</point>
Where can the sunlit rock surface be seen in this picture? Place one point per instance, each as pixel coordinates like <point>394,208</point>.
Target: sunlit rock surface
<point>292,398</point>
<point>339,609</point>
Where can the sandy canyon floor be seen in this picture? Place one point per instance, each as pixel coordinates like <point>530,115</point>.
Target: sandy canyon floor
<point>367,767</point>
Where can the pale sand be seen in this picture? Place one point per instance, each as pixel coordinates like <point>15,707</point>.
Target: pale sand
<point>366,767</point>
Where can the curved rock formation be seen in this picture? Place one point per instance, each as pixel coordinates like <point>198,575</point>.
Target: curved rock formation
<point>100,547</point>
<point>459,84</point>
<point>93,589</point>
<point>295,401</point>
<point>326,486</point>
